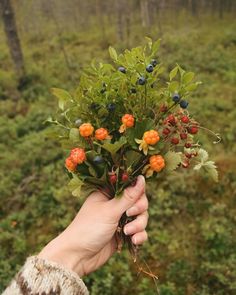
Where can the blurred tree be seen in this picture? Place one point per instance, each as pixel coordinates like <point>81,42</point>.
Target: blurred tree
<point>145,15</point>
<point>13,40</point>
<point>99,13</point>
<point>120,19</point>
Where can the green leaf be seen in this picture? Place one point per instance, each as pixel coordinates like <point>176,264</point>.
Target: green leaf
<point>113,148</point>
<point>62,95</point>
<point>132,157</point>
<point>75,138</point>
<point>112,53</point>
<point>156,46</point>
<point>86,190</point>
<point>188,77</point>
<point>172,160</point>
<point>173,73</point>
<point>149,42</point>
<point>192,86</point>
<point>75,185</point>
<point>173,86</point>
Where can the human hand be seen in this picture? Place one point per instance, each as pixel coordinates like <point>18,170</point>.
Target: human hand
<point>89,241</point>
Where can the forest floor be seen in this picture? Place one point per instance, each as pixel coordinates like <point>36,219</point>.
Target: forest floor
<point>192,220</point>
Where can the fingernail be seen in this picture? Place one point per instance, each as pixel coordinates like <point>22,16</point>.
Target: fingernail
<point>128,230</point>
<point>131,211</point>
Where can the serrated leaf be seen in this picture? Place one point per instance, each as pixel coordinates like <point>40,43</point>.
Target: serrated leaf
<point>173,73</point>
<point>172,160</point>
<point>62,95</point>
<point>113,53</point>
<point>203,155</point>
<point>75,185</point>
<point>197,167</point>
<point>212,171</point>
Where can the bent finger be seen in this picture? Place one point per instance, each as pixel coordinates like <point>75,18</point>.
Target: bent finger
<point>140,238</point>
<point>139,207</point>
<point>137,225</point>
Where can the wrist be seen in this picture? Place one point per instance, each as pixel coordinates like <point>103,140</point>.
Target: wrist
<point>57,250</point>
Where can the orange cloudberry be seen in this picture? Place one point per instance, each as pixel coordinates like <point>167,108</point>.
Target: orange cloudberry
<point>151,137</point>
<point>77,155</point>
<point>157,163</point>
<point>128,120</point>
<point>70,164</point>
<point>101,134</point>
<point>86,129</point>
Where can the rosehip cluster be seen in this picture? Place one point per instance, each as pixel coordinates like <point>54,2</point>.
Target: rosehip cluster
<point>177,128</point>
<point>188,155</point>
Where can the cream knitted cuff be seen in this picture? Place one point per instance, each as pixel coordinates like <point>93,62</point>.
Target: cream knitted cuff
<point>39,276</point>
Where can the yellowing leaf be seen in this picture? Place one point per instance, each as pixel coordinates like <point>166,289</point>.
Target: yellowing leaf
<point>75,185</point>
<point>62,95</point>
<point>173,73</point>
<point>112,53</point>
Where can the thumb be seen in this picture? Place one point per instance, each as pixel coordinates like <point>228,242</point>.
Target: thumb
<point>129,197</point>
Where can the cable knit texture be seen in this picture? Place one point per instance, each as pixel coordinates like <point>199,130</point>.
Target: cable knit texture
<point>42,277</point>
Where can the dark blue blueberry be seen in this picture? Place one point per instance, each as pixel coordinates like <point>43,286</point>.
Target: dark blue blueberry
<point>133,90</point>
<point>111,107</point>
<point>98,160</point>
<point>176,98</point>
<point>154,62</point>
<point>141,80</point>
<point>78,122</point>
<point>122,70</point>
<point>94,106</point>
<point>149,68</point>
<point>183,104</point>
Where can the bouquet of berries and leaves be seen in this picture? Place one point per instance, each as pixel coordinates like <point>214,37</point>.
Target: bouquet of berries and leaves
<point>125,119</point>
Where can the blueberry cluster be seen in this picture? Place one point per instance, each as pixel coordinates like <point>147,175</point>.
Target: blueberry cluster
<point>177,99</point>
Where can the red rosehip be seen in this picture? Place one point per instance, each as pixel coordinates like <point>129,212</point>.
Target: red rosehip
<point>113,178</point>
<point>171,119</point>
<point>183,135</point>
<point>175,140</point>
<point>185,164</point>
<point>193,130</point>
<point>166,131</point>
<point>189,156</point>
<point>188,145</point>
<point>163,108</point>
<point>185,119</point>
<point>125,176</point>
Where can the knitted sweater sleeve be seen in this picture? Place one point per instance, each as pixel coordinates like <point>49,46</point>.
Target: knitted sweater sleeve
<point>42,277</point>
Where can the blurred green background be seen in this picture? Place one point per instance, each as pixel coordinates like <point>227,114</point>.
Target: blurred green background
<point>192,228</point>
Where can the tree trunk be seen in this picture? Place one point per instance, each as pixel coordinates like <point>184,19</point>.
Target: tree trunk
<point>145,15</point>
<point>12,36</point>
<point>221,9</point>
<point>194,7</point>
<point>99,13</point>
<point>120,20</point>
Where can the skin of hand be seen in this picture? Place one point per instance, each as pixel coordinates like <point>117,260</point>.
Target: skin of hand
<point>89,241</point>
